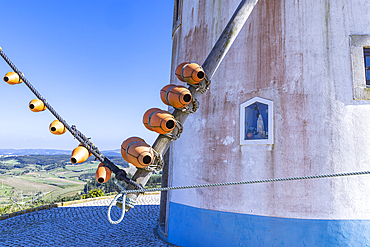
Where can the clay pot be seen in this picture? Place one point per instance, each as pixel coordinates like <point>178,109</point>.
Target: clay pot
<point>80,154</point>
<point>12,78</point>
<point>159,121</point>
<point>191,73</point>
<point>135,151</point>
<point>102,174</point>
<point>57,128</point>
<point>176,96</point>
<point>37,105</point>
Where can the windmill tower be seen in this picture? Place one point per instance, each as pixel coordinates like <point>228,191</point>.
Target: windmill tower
<point>291,98</point>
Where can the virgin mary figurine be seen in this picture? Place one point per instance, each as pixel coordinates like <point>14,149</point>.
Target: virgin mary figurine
<point>260,127</point>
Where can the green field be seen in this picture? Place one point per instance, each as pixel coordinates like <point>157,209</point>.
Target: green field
<point>68,191</point>
<point>26,177</point>
<point>10,162</point>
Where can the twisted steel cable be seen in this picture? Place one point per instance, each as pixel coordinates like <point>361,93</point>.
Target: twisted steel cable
<point>76,133</point>
<point>120,174</point>
<point>250,182</point>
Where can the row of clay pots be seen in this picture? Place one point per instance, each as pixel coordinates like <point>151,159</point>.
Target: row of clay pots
<point>79,154</point>
<point>134,149</point>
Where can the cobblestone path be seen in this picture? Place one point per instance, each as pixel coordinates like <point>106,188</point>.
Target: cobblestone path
<point>84,225</point>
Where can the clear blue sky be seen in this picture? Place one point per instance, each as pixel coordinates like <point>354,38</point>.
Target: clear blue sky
<point>100,64</point>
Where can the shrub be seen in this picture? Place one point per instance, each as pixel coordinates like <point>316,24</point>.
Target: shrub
<point>93,193</point>
<point>20,166</point>
<point>51,167</point>
<point>25,172</point>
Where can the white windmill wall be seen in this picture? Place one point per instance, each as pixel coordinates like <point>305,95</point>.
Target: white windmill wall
<point>297,54</point>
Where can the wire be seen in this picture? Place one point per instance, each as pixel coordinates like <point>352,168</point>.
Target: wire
<point>249,182</point>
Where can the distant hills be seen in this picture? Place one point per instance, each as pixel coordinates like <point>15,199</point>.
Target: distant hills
<point>116,152</point>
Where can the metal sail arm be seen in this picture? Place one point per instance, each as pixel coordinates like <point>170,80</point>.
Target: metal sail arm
<point>120,174</point>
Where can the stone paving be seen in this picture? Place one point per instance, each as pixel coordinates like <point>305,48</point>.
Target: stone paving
<point>85,224</point>
<point>147,199</point>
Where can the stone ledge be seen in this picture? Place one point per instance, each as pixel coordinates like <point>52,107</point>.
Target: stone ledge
<point>50,206</point>
<point>61,204</point>
<point>29,210</point>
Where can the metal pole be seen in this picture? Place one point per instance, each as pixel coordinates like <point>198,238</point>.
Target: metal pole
<point>210,65</point>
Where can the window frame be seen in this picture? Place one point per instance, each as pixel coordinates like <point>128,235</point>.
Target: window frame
<point>270,126</point>
<point>367,68</point>
<point>361,91</point>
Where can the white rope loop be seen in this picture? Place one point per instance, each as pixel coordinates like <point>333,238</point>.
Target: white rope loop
<point>123,208</point>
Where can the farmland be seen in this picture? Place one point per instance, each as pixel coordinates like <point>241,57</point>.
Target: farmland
<point>26,177</point>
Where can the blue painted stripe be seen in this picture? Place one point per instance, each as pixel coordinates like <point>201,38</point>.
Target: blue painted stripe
<point>190,226</point>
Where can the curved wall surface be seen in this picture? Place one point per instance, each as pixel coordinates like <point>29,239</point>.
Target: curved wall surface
<point>298,54</point>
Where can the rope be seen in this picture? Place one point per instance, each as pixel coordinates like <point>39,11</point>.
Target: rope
<point>187,109</point>
<point>130,203</point>
<point>157,164</point>
<point>203,86</point>
<point>124,192</point>
<point>179,131</point>
<point>249,182</point>
<point>114,222</point>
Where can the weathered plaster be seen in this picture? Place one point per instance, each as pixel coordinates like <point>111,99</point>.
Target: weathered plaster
<point>297,54</point>
<point>357,44</point>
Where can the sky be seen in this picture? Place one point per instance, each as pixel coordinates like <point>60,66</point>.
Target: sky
<point>99,64</point>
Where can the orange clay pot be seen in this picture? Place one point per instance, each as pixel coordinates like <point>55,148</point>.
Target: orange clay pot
<point>37,105</point>
<point>178,71</point>
<point>57,128</point>
<point>164,92</point>
<point>102,174</point>
<point>12,78</point>
<point>176,96</point>
<point>159,121</point>
<point>147,115</point>
<point>137,152</point>
<point>80,154</point>
<point>126,143</point>
<point>192,73</point>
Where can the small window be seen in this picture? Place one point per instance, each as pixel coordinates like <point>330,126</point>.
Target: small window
<point>360,55</point>
<point>367,65</point>
<point>256,125</point>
